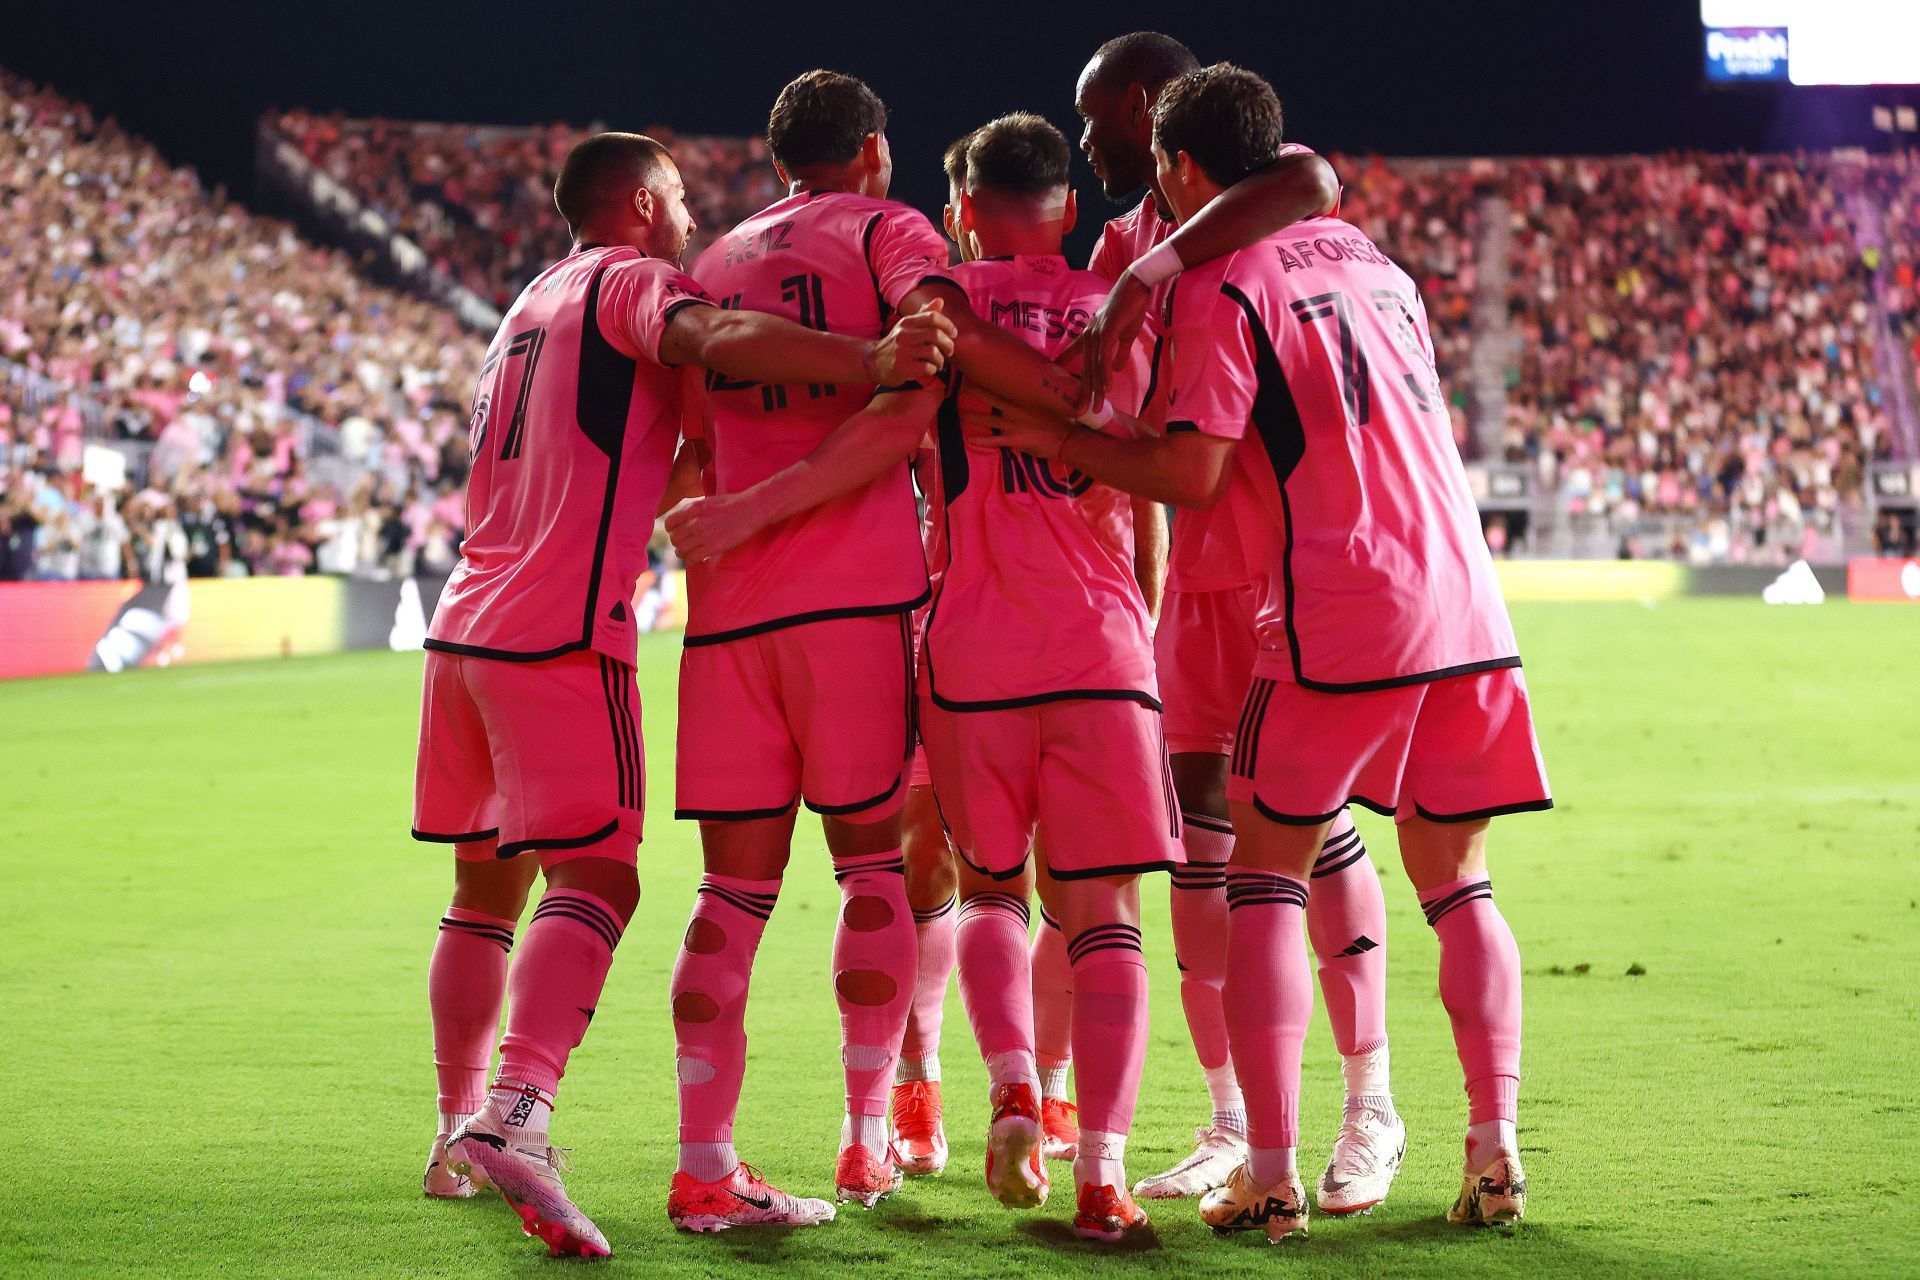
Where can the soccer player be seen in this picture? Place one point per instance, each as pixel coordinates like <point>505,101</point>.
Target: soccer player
<point>1039,705</point>
<point>1205,650</point>
<point>795,685</point>
<point>529,756</point>
<point>1303,401</point>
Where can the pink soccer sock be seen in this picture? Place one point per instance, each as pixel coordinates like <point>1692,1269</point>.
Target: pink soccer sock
<point>1480,986</point>
<point>709,997</point>
<point>995,984</point>
<point>1109,1025</point>
<point>1199,905</point>
<point>873,974</point>
<point>934,950</point>
<point>466,985</point>
<point>1052,996</point>
<point>1347,921</point>
<point>556,984</point>
<point>1269,998</point>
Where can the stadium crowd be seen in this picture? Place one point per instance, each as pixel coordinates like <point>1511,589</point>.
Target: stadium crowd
<point>1694,340</point>
<point>479,200</point>
<point>284,414</point>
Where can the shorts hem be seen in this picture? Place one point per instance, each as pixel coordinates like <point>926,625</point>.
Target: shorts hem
<point>859,806</point>
<point>734,815</point>
<point>518,847</point>
<point>979,870</point>
<point>470,837</point>
<point>1194,744</point>
<point>1272,814</point>
<point>1492,811</point>
<point>1122,869</point>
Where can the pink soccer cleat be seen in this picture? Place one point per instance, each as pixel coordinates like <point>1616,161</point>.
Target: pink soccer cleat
<point>529,1178</point>
<point>1060,1120</point>
<point>863,1178</point>
<point>1015,1174</point>
<point>1106,1213</point>
<point>741,1199</point>
<point>919,1135</point>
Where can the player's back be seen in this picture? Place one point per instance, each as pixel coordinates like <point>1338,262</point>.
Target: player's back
<point>1037,597</point>
<point>839,262</point>
<point>572,438</point>
<point>1375,571</point>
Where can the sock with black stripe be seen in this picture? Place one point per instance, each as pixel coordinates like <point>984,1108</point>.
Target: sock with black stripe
<point>874,964</point>
<point>466,986</point>
<point>1347,923</point>
<point>1269,999</point>
<point>1480,986</point>
<point>1109,1045</point>
<point>709,1000</point>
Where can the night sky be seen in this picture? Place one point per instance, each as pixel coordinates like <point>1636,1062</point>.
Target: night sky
<point>1414,79</point>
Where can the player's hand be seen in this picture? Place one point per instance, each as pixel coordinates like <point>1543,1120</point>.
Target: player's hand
<point>1110,336</point>
<point>914,349</point>
<point>988,419</point>
<point>702,528</point>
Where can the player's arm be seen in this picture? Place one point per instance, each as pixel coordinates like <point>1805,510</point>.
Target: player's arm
<point>998,361</point>
<point>1187,468</point>
<point>683,481</point>
<point>1150,551</point>
<point>766,348</point>
<point>861,449</point>
<point>1293,187</point>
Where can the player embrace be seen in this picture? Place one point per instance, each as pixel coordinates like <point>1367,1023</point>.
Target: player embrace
<point>1302,399</point>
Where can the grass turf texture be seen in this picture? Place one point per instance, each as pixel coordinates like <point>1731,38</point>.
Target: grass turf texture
<point>214,933</point>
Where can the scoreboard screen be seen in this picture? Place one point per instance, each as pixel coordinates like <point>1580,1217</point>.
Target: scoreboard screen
<point>1811,42</point>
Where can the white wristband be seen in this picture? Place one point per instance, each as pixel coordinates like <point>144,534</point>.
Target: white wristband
<point>1097,416</point>
<point>1159,264</point>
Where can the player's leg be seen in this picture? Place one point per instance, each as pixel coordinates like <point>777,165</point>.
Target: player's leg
<point>1053,1032</point>
<point>1269,998</point>
<point>1198,902</point>
<point>874,968</point>
<point>986,784</point>
<point>737,774</point>
<point>919,1133</point>
<point>467,989</point>
<point>1473,755</point>
<point>1347,924</point>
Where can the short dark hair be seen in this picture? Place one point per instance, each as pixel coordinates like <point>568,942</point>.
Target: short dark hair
<point>602,170</point>
<point>1225,117</point>
<point>1019,154</point>
<point>822,117</point>
<point>955,161</point>
<point>1146,58</point>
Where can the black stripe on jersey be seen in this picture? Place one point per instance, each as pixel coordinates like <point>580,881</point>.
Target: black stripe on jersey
<point>950,444</point>
<point>866,252</point>
<point>616,679</point>
<point>906,669</point>
<point>1276,419</point>
<point>504,655</point>
<point>1146,700</point>
<point>801,619</point>
<point>603,396</point>
<point>1153,371</point>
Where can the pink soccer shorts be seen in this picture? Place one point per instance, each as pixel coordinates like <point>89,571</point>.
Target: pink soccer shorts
<point>820,712</point>
<point>530,755</point>
<point>1204,650</point>
<point>1091,775</point>
<point>1452,750</point>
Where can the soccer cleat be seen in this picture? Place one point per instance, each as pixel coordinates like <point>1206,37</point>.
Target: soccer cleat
<point>529,1178</point>
<point>1216,1154</point>
<point>741,1199</point>
<point>919,1137</point>
<point>863,1179</point>
<point>1061,1121</point>
<point>1238,1205</point>
<point>440,1181</point>
<point>1494,1197</point>
<point>1106,1213</point>
<point>1015,1174</point>
<point>1365,1158</point>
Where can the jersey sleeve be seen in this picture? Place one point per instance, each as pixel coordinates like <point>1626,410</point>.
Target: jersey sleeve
<point>638,297</point>
<point>904,251</point>
<point>1109,256</point>
<point>1213,376</point>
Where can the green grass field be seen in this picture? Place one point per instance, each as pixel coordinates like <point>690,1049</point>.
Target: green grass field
<point>214,933</point>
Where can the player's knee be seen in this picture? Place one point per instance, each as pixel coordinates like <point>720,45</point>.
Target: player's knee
<point>864,913</point>
<point>866,987</point>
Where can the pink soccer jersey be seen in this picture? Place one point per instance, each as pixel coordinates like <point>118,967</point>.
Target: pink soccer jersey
<point>1205,555</point>
<point>1349,499</point>
<point>573,432</point>
<point>838,262</point>
<point>1037,599</point>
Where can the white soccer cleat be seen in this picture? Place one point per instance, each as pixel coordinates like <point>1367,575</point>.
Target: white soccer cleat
<point>1365,1158</point>
<point>1494,1197</point>
<point>440,1182</point>
<point>1238,1205</point>
<point>529,1178</point>
<point>1216,1154</point>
